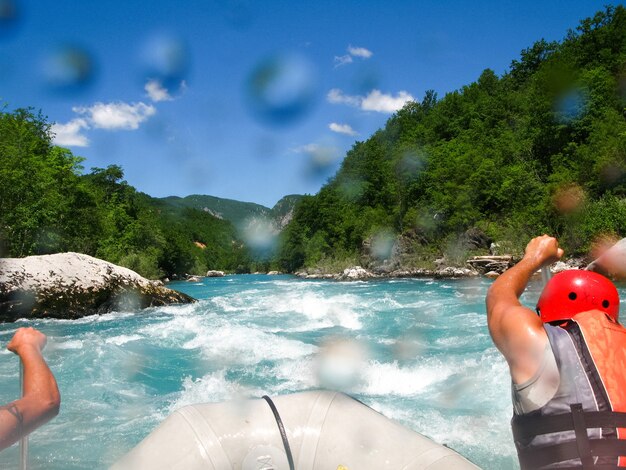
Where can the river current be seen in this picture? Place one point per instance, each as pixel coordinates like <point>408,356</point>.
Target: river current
<point>419,350</point>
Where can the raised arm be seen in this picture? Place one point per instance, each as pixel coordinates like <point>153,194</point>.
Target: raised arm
<point>41,399</point>
<point>517,331</point>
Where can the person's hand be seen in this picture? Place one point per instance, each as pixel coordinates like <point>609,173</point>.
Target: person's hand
<point>27,338</point>
<point>543,250</point>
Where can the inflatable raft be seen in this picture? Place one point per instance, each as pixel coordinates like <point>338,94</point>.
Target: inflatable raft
<point>318,430</point>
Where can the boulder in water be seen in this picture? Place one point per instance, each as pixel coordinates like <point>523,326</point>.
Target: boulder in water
<point>73,285</point>
<point>213,273</point>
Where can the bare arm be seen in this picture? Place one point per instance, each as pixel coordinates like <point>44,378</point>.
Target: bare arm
<point>516,330</point>
<point>41,399</point>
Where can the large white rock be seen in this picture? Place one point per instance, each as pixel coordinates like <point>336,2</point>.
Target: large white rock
<point>72,285</point>
<point>214,273</point>
<point>355,273</point>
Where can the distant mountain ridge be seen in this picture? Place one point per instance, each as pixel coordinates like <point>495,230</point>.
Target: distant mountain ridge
<point>240,214</point>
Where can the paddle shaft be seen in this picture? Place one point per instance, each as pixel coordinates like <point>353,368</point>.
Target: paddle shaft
<point>23,440</point>
<point>546,275</point>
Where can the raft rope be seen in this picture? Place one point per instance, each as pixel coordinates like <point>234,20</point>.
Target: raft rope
<point>281,429</point>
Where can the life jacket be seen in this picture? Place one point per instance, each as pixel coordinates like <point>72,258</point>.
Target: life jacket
<point>584,424</point>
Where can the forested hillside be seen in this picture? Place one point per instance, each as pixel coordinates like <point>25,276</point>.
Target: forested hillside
<point>239,213</point>
<point>48,205</point>
<point>541,148</point>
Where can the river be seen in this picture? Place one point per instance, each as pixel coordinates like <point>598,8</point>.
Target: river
<point>419,350</point>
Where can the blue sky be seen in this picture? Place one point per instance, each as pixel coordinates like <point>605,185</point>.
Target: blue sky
<point>249,100</point>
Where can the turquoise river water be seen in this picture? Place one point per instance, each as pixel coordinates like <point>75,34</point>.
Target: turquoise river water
<point>424,359</point>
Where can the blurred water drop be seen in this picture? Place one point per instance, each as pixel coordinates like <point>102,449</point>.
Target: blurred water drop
<point>409,346</point>
<point>366,79</point>
<point>265,147</point>
<point>601,244</point>
<point>48,240</point>
<point>568,198</point>
<point>165,58</point>
<point>612,174</point>
<point>340,364</point>
<point>457,387</point>
<point>127,301</point>
<point>9,17</point>
<point>571,106</point>
<point>352,189</point>
<point>382,244</point>
<point>410,165</point>
<point>197,172</point>
<point>260,235</point>
<point>69,69</point>
<point>281,89</point>
<point>322,160</point>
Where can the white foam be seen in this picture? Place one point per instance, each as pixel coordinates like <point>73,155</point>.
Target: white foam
<point>122,339</point>
<point>71,344</point>
<point>391,379</point>
<point>318,311</point>
<point>229,343</point>
<point>210,389</point>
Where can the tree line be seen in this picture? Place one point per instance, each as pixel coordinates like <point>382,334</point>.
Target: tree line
<point>540,149</point>
<point>48,204</point>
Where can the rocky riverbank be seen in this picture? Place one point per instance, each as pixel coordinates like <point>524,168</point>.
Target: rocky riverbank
<point>73,285</point>
<point>489,266</point>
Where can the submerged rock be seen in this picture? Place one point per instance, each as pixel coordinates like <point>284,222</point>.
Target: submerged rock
<point>73,285</point>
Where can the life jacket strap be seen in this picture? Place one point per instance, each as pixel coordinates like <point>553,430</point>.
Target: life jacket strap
<point>528,426</point>
<point>540,457</point>
<point>582,438</point>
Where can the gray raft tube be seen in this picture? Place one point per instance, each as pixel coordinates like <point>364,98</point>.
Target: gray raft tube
<point>324,431</point>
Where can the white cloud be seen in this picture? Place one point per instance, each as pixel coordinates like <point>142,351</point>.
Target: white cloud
<point>360,52</point>
<point>374,101</point>
<point>117,115</point>
<point>377,101</point>
<point>157,92</point>
<point>342,128</point>
<point>69,134</point>
<point>343,60</point>
<point>111,116</point>
<point>336,96</point>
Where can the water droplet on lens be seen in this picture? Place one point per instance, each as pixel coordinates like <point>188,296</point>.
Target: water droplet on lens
<point>568,198</point>
<point>352,189</point>
<point>322,159</point>
<point>260,235</point>
<point>339,363</point>
<point>281,89</point>
<point>165,58</point>
<point>382,244</point>
<point>68,69</point>
<point>571,105</point>
<point>9,17</point>
<point>410,165</point>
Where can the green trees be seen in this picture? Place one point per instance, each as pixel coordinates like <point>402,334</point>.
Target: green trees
<point>38,182</point>
<point>540,149</point>
<point>48,205</point>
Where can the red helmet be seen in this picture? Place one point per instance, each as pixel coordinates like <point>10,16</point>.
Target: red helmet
<point>575,291</point>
